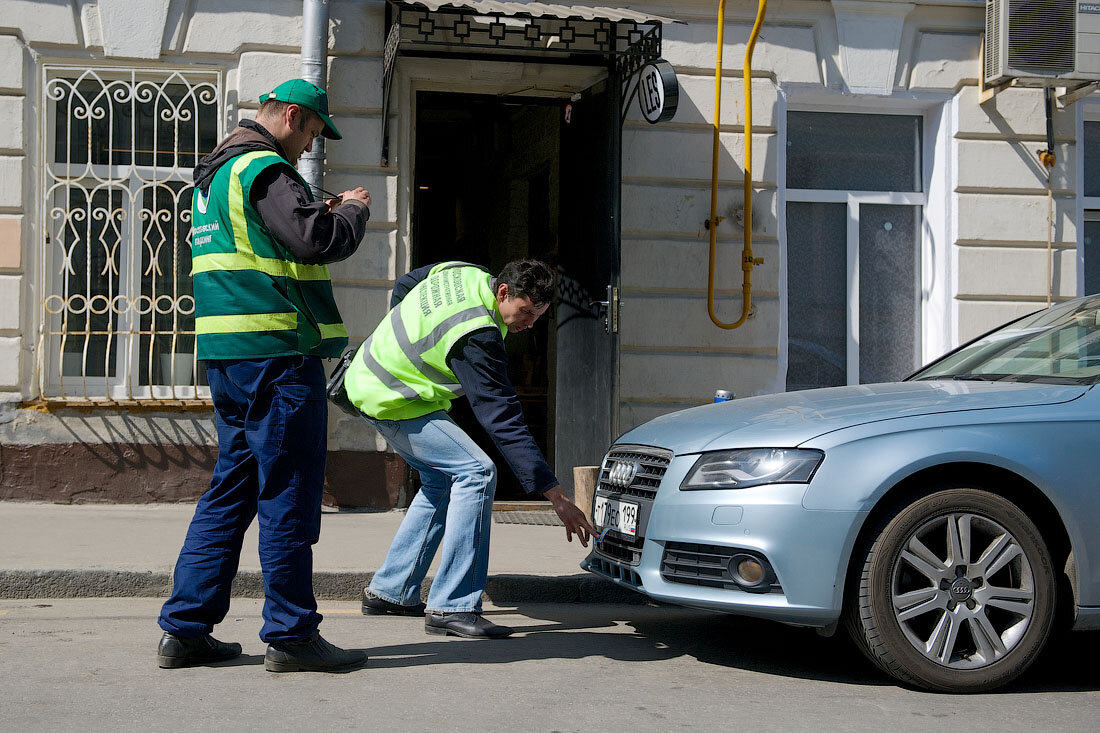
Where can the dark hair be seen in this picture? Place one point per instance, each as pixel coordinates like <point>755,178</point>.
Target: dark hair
<point>528,279</point>
<point>275,108</point>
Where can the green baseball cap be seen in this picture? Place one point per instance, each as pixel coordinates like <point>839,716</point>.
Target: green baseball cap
<point>308,95</point>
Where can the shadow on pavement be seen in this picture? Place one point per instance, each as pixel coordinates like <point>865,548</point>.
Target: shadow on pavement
<point>664,632</point>
<point>245,660</point>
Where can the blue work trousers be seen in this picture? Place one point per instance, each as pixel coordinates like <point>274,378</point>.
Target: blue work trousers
<point>272,441</point>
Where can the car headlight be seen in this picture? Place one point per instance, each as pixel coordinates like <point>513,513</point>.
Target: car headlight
<point>740,469</point>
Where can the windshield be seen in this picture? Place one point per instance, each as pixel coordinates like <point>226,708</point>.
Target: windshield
<point>1059,345</point>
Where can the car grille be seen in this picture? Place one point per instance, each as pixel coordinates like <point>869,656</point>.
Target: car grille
<point>651,462</point>
<point>615,572</point>
<point>706,565</point>
<point>620,550</point>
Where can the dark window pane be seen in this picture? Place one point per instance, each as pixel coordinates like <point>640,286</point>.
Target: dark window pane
<point>167,341</point>
<point>95,119</point>
<point>92,125</point>
<point>1092,256</point>
<point>889,239</point>
<point>1092,158</point>
<point>853,152</point>
<point>816,295</point>
<point>89,272</point>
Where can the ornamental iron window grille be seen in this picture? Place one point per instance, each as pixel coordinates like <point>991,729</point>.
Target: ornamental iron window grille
<point>117,316</point>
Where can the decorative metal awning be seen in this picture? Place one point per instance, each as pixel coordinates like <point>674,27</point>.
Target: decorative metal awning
<point>617,37</point>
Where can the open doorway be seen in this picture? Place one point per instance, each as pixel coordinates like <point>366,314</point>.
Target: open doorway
<point>486,187</point>
<point>501,178</point>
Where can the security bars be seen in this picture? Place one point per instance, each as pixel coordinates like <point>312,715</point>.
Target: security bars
<point>117,312</point>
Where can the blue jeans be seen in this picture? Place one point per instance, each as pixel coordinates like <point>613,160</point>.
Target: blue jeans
<point>454,506</point>
<point>272,440</point>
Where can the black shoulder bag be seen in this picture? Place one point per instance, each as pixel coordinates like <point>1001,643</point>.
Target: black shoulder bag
<point>337,394</point>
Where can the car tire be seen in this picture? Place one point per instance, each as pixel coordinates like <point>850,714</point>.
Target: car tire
<point>955,592</point>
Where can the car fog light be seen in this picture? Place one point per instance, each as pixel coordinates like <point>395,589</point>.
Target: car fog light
<point>751,572</point>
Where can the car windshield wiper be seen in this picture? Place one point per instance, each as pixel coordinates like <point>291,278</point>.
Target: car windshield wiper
<point>1051,379</point>
<point>980,377</point>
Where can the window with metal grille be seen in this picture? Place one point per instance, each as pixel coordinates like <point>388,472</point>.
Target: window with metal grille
<point>117,319</point>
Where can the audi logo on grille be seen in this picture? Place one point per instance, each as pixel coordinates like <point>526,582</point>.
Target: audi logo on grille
<point>622,474</point>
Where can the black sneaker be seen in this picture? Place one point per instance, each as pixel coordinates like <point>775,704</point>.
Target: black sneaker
<point>312,654</point>
<point>470,625</point>
<point>375,606</point>
<point>179,651</point>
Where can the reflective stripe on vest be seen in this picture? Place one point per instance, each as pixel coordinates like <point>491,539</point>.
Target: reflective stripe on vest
<point>415,352</point>
<point>284,319</point>
<point>400,372</point>
<point>245,258</point>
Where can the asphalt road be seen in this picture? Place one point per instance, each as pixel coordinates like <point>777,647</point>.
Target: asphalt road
<point>89,665</point>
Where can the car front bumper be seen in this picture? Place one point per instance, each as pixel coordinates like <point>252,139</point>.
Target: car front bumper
<point>807,550</point>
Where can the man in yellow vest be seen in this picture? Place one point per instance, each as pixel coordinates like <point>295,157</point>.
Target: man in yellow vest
<point>264,318</point>
<point>444,336</point>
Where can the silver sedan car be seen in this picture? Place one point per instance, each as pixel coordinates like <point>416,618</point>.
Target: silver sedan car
<point>949,521</point>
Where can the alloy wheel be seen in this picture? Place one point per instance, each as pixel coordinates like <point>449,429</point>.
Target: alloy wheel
<point>963,591</point>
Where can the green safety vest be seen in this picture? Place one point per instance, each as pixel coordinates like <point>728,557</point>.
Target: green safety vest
<point>253,298</point>
<point>401,371</point>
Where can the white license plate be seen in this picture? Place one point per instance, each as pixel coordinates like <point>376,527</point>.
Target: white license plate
<point>618,515</point>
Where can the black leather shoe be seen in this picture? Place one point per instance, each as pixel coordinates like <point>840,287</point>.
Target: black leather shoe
<point>178,651</point>
<point>470,625</point>
<point>312,654</point>
<point>375,606</point>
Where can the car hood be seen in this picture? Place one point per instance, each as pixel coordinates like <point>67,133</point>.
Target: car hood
<point>791,418</point>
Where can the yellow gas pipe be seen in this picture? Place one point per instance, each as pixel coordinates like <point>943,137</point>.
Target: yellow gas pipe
<point>747,259</point>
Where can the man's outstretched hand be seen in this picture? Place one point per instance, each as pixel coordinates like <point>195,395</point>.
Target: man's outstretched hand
<point>569,513</point>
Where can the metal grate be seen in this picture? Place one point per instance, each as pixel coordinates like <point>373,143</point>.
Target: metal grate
<point>705,565</point>
<point>543,518</point>
<point>652,464</point>
<point>538,27</point>
<point>117,311</point>
<point>1042,34</point>
<point>621,550</point>
<point>615,572</point>
<point>992,38</point>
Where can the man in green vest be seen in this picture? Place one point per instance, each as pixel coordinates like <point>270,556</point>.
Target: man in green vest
<point>444,337</point>
<point>264,319</point>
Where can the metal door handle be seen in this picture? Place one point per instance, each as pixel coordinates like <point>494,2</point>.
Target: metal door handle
<point>610,309</point>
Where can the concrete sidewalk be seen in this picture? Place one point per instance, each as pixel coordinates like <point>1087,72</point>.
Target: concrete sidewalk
<point>80,551</point>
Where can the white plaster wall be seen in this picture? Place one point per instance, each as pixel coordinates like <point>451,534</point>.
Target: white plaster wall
<point>11,291</point>
<point>11,63</point>
<point>672,356</point>
<point>13,189</point>
<point>53,22</point>
<point>11,359</point>
<point>11,181</point>
<point>11,123</point>
<point>220,27</point>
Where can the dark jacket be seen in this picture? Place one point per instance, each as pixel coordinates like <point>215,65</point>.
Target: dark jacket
<point>308,229</point>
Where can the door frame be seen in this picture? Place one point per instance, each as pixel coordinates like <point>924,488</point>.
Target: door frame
<point>497,78</point>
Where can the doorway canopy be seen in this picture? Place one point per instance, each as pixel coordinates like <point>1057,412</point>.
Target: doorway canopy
<point>620,39</point>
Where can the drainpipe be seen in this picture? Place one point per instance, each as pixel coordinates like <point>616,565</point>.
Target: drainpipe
<point>314,66</point>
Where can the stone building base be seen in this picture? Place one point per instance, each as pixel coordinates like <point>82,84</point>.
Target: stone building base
<point>139,473</point>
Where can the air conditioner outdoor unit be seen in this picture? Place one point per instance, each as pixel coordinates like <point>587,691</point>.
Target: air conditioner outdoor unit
<point>1041,42</point>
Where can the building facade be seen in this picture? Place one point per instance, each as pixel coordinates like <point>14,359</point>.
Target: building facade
<point>897,215</point>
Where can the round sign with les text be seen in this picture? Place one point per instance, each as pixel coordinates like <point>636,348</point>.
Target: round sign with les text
<point>658,91</point>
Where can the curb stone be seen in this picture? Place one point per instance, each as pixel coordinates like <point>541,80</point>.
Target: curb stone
<point>500,589</point>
